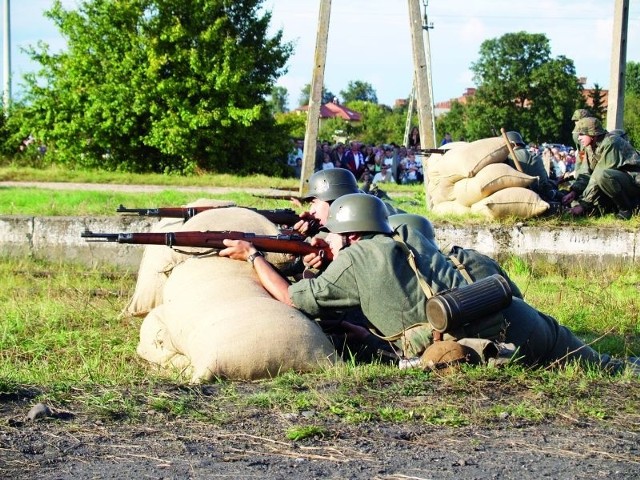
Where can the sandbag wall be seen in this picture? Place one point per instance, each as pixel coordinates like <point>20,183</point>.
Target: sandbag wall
<point>209,317</point>
<point>474,178</point>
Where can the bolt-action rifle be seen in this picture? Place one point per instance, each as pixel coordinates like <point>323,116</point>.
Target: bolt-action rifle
<point>293,244</point>
<point>429,151</point>
<point>282,216</point>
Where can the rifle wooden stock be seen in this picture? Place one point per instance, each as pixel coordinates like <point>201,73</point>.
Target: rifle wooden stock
<point>293,244</point>
<point>431,150</point>
<point>282,216</point>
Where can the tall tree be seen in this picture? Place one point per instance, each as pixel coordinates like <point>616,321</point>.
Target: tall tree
<point>305,95</point>
<point>278,99</point>
<point>597,102</point>
<point>358,90</point>
<point>160,85</point>
<point>521,87</point>
<point>632,81</point>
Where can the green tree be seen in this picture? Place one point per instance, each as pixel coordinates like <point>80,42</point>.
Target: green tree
<point>453,122</point>
<point>278,99</point>
<point>520,87</point>
<point>632,81</point>
<point>632,118</point>
<point>160,85</point>
<point>359,90</point>
<point>597,102</point>
<point>379,124</point>
<point>305,95</point>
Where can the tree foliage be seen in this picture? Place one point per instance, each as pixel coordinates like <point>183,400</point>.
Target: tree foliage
<point>520,87</point>
<point>305,95</point>
<point>278,99</point>
<point>632,81</point>
<point>597,102</point>
<point>160,85</point>
<point>358,90</point>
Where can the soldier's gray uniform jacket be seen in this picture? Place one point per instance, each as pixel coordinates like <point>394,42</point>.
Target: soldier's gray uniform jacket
<point>533,165</point>
<point>375,274</point>
<point>613,171</point>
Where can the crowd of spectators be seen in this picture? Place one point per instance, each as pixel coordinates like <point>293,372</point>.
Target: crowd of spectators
<point>559,160</point>
<point>371,164</point>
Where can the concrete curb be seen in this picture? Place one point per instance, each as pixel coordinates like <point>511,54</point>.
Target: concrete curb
<point>58,238</point>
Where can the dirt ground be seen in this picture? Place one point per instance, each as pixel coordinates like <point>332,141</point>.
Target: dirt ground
<point>72,445</point>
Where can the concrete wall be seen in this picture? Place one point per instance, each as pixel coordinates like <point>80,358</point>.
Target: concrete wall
<point>58,238</point>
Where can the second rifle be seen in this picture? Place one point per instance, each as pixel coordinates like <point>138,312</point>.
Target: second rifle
<point>282,216</point>
<point>292,244</point>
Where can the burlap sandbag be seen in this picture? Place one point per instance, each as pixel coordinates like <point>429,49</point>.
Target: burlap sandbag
<point>219,316</point>
<point>155,344</point>
<point>157,262</point>
<point>450,208</point>
<point>489,180</point>
<point>516,202</point>
<point>236,219</point>
<point>467,160</point>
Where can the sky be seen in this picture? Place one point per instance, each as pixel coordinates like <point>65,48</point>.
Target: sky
<point>370,40</point>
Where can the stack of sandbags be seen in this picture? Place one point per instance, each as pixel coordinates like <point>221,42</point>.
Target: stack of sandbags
<point>474,178</point>
<point>216,319</point>
<point>157,262</point>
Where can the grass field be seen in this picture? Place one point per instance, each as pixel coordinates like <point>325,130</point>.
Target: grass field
<point>63,337</point>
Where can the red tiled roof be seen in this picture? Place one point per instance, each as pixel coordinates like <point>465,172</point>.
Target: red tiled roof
<point>333,110</point>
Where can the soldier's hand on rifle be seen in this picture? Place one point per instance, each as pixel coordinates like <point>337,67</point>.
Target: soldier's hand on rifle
<point>314,260</point>
<point>237,249</point>
<point>569,197</point>
<point>307,226</point>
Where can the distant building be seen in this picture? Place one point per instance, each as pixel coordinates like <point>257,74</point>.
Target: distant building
<point>335,110</point>
<point>445,107</point>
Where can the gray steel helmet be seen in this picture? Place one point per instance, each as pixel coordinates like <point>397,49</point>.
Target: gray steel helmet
<point>327,185</point>
<point>358,212</point>
<point>417,222</point>
<point>516,138</point>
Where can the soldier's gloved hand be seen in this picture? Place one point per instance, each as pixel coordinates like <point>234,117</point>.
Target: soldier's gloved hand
<point>577,211</point>
<point>569,197</point>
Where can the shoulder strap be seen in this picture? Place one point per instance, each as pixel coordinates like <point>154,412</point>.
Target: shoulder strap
<point>461,268</point>
<point>411,258</point>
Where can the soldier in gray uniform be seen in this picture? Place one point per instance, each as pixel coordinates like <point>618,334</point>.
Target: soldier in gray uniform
<point>370,269</point>
<point>610,180</point>
<point>533,165</point>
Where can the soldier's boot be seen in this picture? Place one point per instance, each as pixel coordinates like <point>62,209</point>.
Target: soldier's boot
<point>625,205</point>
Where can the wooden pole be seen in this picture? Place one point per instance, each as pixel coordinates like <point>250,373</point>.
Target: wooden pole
<point>315,97</point>
<point>615,109</point>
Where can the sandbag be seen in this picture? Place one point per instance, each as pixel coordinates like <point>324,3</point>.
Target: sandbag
<point>219,316</point>
<point>450,208</point>
<point>490,179</point>
<point>158,260</point>
<point>511,202</point>
<point>467,160</point>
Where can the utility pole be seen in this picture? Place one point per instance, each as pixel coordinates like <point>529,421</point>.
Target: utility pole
<point>315,97</point>
<point>422,70</point>
<point>615,108</point>
<point>6,56</point>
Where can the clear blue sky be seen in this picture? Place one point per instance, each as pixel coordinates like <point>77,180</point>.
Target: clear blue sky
<point>369,40</point>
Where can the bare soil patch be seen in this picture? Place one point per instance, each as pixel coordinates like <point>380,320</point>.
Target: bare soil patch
<point>252,443</point>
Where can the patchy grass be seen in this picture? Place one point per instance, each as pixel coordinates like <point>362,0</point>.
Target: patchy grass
<point>64,342</point>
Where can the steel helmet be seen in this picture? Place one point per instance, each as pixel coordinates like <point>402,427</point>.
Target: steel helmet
<point>327,185</point>
<point>516,138</point>
<point>358,212</point>
<point>417,222</point>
